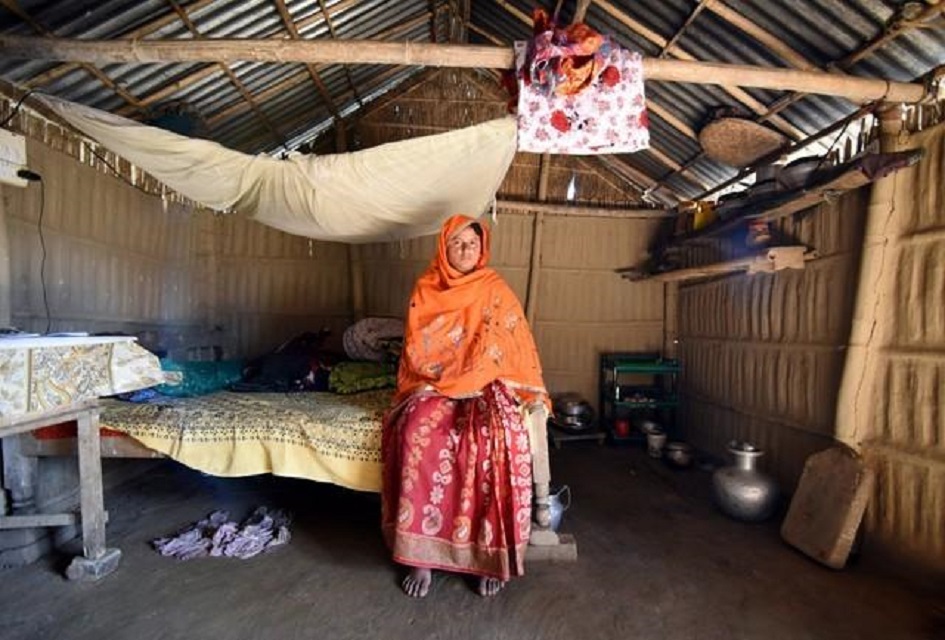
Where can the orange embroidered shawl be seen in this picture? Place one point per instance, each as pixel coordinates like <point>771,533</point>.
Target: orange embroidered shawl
<point>464,331</point>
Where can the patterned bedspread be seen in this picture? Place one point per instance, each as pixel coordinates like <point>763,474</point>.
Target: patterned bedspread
<point>318,436</point>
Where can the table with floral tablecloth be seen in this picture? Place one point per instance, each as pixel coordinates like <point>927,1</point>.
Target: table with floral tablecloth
<point>49,380</point>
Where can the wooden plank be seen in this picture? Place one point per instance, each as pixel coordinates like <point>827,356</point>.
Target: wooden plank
<point>804,199</point>
<point>769,261</point>
<point>90,486</point>
<point>38,520</point>
<point>17,424</point>
<point>553,208</point>
<point>828,506</point>
<point>847,181</point>
<point>111,447</point>
<point>440,55</point>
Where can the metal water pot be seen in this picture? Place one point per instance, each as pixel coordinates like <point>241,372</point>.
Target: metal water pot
<point>740,490</point>
<point>559,502</point>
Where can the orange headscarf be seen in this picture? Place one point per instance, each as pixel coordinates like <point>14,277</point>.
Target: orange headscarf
<point>465,330</point>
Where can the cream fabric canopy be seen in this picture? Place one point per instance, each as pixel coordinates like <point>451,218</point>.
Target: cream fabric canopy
<point>391,192</point>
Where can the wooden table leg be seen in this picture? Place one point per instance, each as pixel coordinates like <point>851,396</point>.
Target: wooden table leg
<point>97,560</point>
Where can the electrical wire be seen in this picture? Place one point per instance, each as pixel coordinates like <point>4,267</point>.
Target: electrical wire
<point>16,109</point>
<point>116,172</point>
<point>102,158</point>
<point>42,243</point>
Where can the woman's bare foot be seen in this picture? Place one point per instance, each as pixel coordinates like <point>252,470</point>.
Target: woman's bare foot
<point>490,586</point>
<point>417,582</point>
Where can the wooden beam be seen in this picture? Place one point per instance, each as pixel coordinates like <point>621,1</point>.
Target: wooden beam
<point>334,36</point>
<point>292,81</point>
<point>99,75</point>
<point>580,12</point>
<point>234,80</point>
<point>731,88</point>
<point>898,26</point>
<point>703,4</point>
<point>439,55</point>
<point>289,23</point>
<point>796,60</point>
<point>764,37</point>
<point>561,209</point>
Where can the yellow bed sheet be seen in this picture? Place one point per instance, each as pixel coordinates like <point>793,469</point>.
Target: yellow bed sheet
<point>317,436</point>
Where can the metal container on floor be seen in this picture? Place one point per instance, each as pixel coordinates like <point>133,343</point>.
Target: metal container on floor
<point>740,490</point>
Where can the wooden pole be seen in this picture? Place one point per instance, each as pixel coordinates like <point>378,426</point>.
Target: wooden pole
<point>534,265</point>
<point>874,306</point>
<point>355,261</point>
<point>428,54</point>
<point>583,211</point>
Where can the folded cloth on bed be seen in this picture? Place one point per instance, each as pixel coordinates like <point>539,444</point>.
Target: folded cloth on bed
<point>351,377</point>
<point>317,436</point>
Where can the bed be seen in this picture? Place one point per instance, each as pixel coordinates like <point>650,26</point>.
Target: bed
<point>316,436</point>
<point>323,437</point>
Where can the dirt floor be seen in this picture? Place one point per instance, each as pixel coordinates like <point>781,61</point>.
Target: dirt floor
<point>656,561</point>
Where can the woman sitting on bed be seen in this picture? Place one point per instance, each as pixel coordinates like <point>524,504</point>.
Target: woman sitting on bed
<point>457,489</point>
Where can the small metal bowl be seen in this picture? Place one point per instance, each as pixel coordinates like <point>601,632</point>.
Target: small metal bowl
<point>647,427</point>
<point>678,454</point>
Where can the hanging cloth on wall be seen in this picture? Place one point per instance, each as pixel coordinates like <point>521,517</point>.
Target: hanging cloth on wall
<point>391,192</point>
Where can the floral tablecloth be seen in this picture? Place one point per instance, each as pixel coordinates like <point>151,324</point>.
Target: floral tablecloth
<point>45,373</point>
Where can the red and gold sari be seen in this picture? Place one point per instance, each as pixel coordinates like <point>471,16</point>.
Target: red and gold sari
<point>457,485</point>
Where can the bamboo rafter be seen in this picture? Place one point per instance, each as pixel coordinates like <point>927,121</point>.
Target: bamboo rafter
<point>295,79</point>
<point>289,23</point>
<point>234,80</point>
<point>733,86</point>
<point>438,55</point>
<point>797,60</point>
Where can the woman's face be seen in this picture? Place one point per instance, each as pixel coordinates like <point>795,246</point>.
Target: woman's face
<point>463,250</point>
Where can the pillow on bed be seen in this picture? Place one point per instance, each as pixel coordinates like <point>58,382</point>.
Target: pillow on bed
<point>200,377</point>
<point>352,376</point>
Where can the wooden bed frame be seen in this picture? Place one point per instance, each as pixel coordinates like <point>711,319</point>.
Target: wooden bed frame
<point>21,453</point>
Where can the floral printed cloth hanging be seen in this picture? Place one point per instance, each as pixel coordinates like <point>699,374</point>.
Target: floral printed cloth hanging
<point>578,93</point>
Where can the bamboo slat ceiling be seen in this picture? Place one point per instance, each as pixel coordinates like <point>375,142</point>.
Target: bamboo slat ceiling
<point>261,107</point>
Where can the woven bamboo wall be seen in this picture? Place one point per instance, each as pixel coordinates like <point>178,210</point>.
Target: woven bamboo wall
<point>763,354</point>
<point>115,260</point>
<point>901,409</point>
<point>121,260</point>
<point>272,285</point>
<point>583,308</point>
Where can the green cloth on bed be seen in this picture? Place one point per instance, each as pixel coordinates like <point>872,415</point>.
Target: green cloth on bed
<point>353,376</point>
<point>200,377</point>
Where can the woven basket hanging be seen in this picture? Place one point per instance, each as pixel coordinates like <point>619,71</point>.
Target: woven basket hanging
<point>739,142</point>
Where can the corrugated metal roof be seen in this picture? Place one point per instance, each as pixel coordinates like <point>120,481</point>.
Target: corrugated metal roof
<point>288,108</point>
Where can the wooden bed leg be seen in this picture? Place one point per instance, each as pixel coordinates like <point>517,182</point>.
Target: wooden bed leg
<point>541,477</point>
<point>19,477</point>
<point>544,543</point>
<point>97,561</point>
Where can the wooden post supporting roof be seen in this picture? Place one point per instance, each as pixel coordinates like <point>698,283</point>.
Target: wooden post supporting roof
<point>438,55</point>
